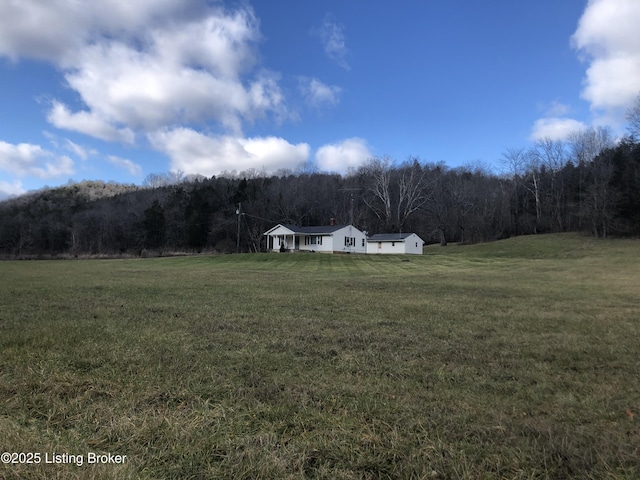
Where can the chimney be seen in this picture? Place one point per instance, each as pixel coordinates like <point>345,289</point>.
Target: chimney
<point>332,221</point>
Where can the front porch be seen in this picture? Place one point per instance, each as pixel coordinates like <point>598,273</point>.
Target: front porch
<point>284,242</point>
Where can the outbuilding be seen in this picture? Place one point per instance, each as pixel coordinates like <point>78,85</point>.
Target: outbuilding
<point>395,243</point>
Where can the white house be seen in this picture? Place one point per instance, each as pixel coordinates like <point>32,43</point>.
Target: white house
<point>328,239</point>
<point>398,243</point>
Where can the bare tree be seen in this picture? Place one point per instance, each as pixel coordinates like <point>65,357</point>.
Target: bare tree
<point>379,188</point>
<point>175,177</point>
<point>633,117</point>
<point>601,197</point>
<point>155,180</point>
<point>411,191</point>
<point>585,146</point>
<point>394,194</point>
<point>438,205</point>
<point>514,162</point>
<point>552,155</point>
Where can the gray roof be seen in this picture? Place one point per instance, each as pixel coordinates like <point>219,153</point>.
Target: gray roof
<point>315,230</point>
<point>389,237</point>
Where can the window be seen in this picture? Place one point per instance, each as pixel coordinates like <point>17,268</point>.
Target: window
<point>349,241</point>
<point>363,242</point>
<point>416,244</point>
<point>313,240</point>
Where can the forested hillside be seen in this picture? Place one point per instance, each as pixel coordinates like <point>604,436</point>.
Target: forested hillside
<point>588,184</point>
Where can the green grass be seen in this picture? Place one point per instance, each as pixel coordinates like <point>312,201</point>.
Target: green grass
<point>514,359</point>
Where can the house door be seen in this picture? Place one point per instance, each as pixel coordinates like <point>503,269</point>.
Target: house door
<point>297,244</point>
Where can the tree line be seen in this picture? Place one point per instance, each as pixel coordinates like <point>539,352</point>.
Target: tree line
<point>589,183</point>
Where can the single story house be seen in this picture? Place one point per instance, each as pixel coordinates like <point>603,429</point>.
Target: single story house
<point>395,243</point>
<point>328,239</point>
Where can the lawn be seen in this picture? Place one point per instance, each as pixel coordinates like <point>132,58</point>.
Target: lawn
<point>513,359</point>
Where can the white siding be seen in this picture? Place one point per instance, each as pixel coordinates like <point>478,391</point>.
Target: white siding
<point>410,245</point>
<point>349,232</point>
<point>396,247</point>
<point>413,244</point>
<point>331,242</point>
<point>278,235</point>
<point>325,246</point>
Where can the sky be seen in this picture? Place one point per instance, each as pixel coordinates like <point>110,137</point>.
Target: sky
<point>116,90</point>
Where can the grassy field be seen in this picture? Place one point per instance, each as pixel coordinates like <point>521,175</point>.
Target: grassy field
<point>514,359</point>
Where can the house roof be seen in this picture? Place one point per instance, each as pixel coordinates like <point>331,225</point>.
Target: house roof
<point>389,237</point>
<point>313,230</point>
<point>321,229</point>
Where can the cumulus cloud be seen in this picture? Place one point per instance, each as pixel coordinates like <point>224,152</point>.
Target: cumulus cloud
<point>53,31</point>
<point>608,39</point>
<point>332,36</point>
<point>133,168</point>
<point>88,123</point>
<point>340,157</point>
<point>196,153</point>
<point>319,94</point>
<point>146,65</point>
<point>192,75</point>
<point>25,159</point>
<point>555,128</point>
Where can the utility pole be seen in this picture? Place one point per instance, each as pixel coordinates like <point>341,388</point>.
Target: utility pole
<point>238,213</point>
<point>351,190</point>
<point>351,207</point>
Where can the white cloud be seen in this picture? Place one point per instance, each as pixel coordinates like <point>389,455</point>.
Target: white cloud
<point>195,153</point>
<point>23,32</point>
<point>319,94</point>
<point>10,189</point>
<point>340,157</point>
<point>331,34</point>
<point>54,30</point>
<point>88,123</point>
<point>146,65</point>
<point>608,38</point>
<point>131,167</point>
<point>25,159</point>
<point>78,150</point>
<point>555,128</point>
<point>179,76</point>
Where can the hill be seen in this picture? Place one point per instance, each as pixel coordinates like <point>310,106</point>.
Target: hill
<point>598,197</point>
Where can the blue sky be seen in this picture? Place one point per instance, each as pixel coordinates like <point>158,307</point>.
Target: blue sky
<point>115,90</point>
